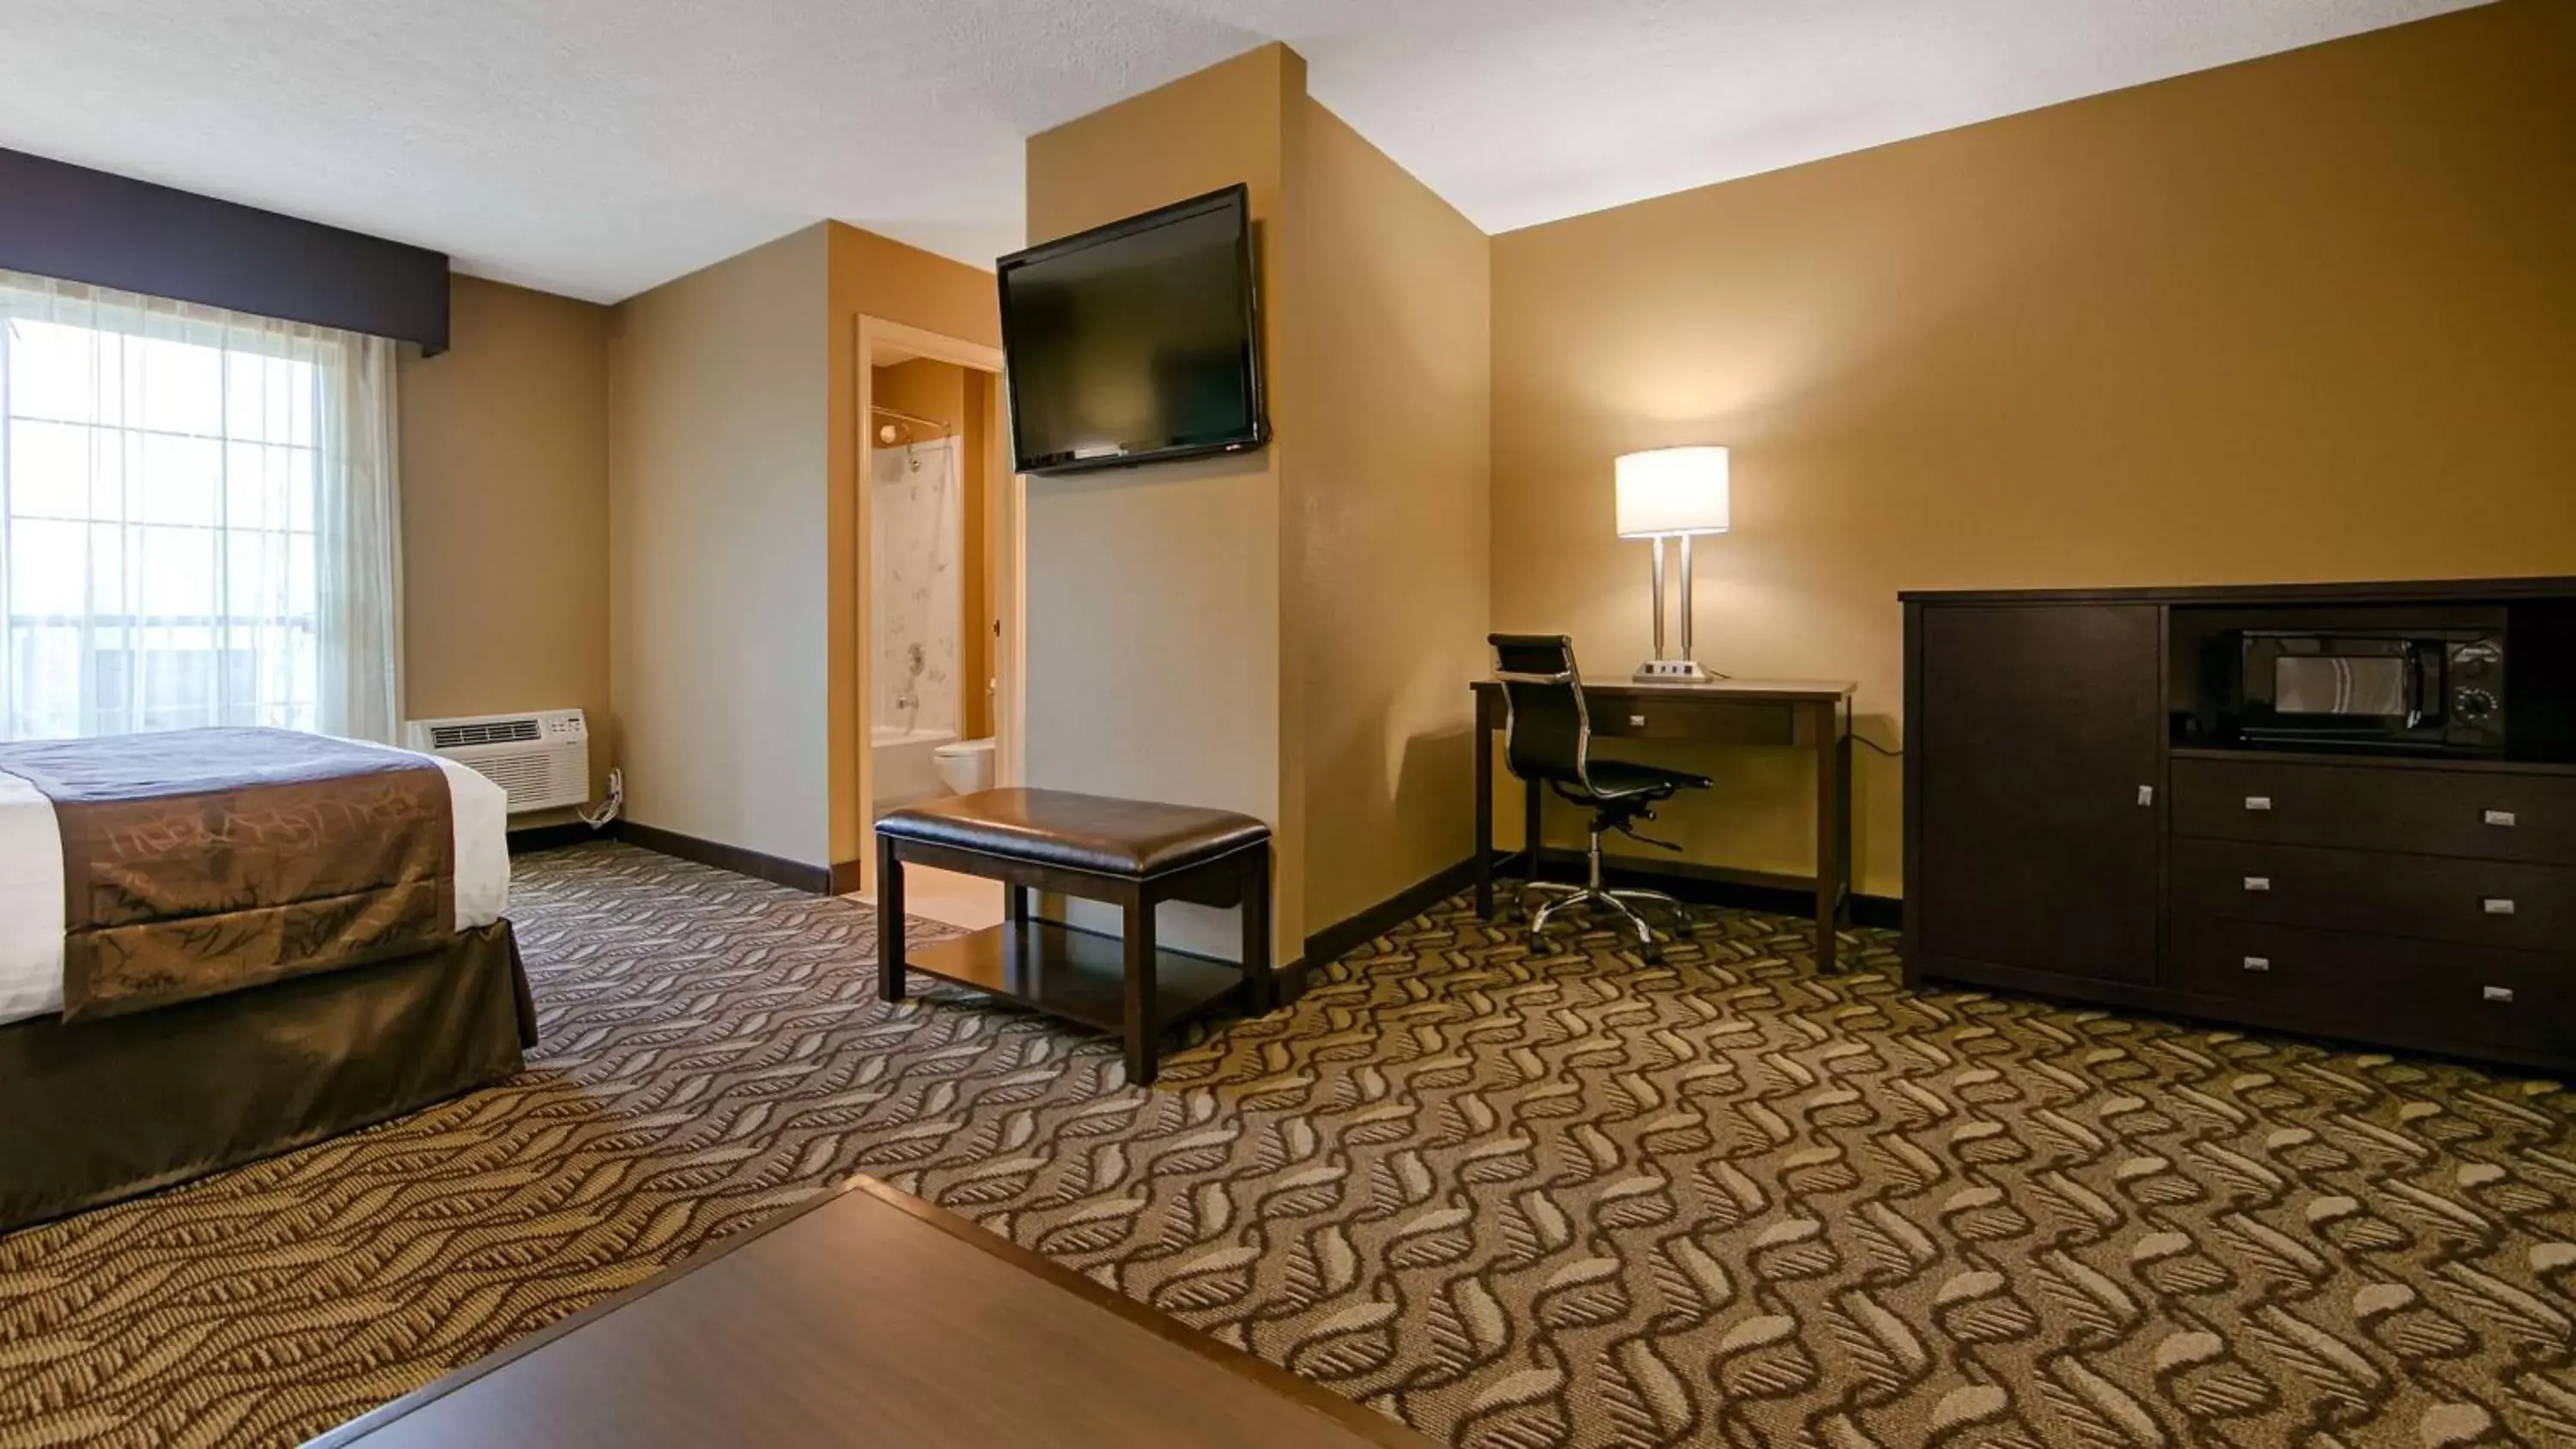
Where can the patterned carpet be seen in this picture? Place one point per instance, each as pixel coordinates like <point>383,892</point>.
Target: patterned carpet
<point>1515,1203</point>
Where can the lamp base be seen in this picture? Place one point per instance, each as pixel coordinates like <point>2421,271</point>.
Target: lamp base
<point>1675,671</point>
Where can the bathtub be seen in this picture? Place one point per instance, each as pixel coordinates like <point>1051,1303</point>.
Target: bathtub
<point>905,769</point>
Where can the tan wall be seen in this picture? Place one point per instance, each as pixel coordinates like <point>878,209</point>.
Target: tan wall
<point>721,607</point>
<point>505,512</point>
<point>1392,465</point>
<point>871,276</point>
<point>2310,317</point>
<point>1160,662</point>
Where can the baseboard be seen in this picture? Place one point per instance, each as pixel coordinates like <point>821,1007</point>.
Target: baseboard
<point>1712,885</point>
<point>1339,939</point>
<point>556,837</point>
<point>794,874</point>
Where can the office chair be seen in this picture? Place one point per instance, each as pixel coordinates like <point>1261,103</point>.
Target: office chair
<point>1547,738</point>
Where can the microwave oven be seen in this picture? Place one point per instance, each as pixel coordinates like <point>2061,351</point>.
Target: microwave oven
<point>2436,689</point>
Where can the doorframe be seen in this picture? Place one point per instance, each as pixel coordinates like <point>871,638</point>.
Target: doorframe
<point>1006,530</point>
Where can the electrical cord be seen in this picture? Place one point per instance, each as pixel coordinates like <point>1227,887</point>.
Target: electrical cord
<point>1875,745</point>
<point>610,808</point>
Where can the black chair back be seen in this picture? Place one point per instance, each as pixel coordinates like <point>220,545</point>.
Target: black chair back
<point>1547,733</point>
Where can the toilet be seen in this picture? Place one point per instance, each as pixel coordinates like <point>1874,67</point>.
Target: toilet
<point>966,767</point>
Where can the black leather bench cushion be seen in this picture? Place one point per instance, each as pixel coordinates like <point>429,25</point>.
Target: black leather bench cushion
<point>1096,833</point>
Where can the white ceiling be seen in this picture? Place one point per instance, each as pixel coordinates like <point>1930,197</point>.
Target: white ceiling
<point>599,147</point>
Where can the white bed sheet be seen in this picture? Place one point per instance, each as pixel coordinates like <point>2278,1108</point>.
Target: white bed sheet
<point>31,881</point>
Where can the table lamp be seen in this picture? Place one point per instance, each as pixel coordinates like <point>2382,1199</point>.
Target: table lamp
<point>1672,493</point>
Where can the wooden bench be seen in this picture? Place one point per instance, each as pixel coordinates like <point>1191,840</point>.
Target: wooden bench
<point>1131,853</point>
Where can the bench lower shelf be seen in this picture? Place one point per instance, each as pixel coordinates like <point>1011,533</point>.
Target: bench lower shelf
<point>1078,975</point>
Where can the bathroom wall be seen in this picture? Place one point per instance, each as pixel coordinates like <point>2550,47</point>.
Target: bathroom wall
<point>964,399</point>
<point>916,569</point>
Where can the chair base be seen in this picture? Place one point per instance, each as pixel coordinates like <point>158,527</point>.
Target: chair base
<point>1593,896</point>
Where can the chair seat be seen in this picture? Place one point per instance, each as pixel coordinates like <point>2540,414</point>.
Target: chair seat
<point>1625,779</point>
<point>1096,833</point>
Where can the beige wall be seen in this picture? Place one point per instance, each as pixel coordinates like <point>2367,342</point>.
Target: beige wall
<point>721,622</point>
<point>1160,662</point>
<point>870,276</point>
<point>1392,468</point>
<point>2310,317</point>
<point>505,512</point>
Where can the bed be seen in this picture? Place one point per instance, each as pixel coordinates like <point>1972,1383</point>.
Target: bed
<point>125,1068</point>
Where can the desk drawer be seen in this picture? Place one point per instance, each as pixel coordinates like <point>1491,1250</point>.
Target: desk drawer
<point>1708,721</point>
<point>2490,815</point>
<point>2477,902</point>
<point>2426,992</point>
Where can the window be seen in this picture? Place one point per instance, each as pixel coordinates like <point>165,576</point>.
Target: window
<point>176,528</point>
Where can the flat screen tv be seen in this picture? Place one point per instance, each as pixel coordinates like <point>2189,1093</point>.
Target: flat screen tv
<point>1136,342</point>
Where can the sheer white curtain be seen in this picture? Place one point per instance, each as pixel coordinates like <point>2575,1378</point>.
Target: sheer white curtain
<point>199,519</point>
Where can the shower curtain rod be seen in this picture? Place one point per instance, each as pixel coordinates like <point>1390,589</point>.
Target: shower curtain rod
<point>909,418</point>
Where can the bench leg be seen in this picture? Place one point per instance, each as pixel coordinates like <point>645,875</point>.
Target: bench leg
<point>889,921</point>
<point>1141,1011</point>
<point>1261,984</point>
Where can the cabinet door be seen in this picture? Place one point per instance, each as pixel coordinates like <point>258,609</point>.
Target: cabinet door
<point>2040,734</point>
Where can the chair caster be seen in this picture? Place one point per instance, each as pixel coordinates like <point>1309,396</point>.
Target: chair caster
<point>1651,954</point>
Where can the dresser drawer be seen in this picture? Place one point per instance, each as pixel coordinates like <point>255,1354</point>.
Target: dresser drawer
<point>2427,993</point>
<point>2476,902</point>
<point>2489,815</point>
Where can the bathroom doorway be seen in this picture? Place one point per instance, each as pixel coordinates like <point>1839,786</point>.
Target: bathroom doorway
<point>939,521</point>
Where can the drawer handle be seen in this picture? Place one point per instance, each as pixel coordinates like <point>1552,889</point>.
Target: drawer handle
<point>2502,819</point>
<point>2499,993</point>
<point>2258,963</point>
<point>1636,721</point>
<point>2258,802</point>
<point>2258,882</point>
<point>2499,907</point>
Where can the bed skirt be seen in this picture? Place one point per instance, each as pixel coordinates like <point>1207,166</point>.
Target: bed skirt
<point>104,1110</point>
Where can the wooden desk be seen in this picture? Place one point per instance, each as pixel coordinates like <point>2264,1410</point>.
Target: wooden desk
<point>868,1316</point>
<point>1807,714</point>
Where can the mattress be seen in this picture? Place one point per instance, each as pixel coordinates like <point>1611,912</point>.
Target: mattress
<point>31,881</point>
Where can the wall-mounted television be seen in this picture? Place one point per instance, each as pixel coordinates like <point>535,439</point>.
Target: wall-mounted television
<point>1136,342</point>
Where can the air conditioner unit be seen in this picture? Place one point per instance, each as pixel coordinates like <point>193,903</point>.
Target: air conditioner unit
<point>541,759</point>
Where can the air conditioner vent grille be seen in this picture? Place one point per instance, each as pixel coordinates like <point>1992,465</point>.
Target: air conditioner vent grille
<point>541,759</point>
<point>483,732</point>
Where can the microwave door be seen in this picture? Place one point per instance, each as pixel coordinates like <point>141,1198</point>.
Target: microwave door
<point>2357,687</point>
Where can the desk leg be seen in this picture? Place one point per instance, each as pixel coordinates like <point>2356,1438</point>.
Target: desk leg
<point>1484,812</point>
<point>1833,832</point>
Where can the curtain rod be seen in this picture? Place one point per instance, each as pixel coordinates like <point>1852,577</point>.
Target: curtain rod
<point>909,418</point>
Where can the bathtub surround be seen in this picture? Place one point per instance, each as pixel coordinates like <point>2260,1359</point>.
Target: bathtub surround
<point>916,579</point>
<point>967,400</point>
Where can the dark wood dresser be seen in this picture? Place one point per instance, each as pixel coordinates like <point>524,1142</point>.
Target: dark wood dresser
<point>2095,811</point>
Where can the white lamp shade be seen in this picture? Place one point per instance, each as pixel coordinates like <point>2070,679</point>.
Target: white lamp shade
<point>1672,490</point>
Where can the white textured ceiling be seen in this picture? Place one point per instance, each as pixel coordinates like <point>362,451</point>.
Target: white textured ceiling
<point>599,147</point>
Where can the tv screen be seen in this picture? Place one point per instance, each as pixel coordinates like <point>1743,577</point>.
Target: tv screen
<point>1137,341</point>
